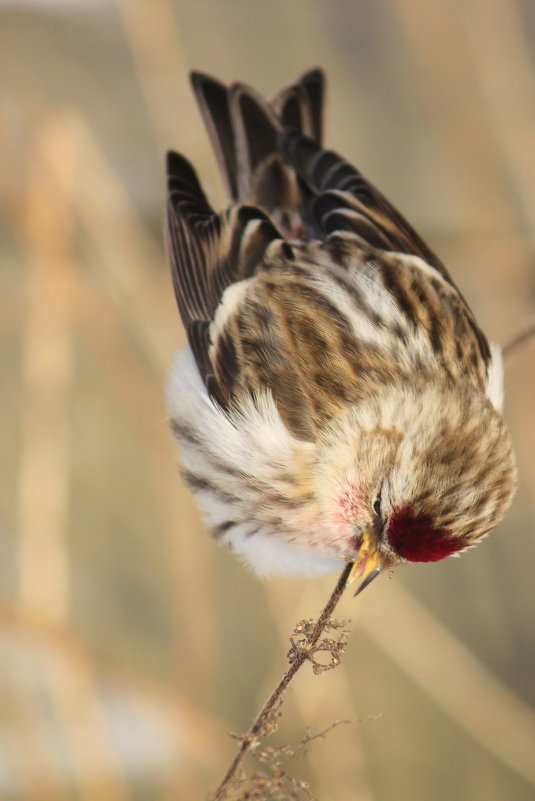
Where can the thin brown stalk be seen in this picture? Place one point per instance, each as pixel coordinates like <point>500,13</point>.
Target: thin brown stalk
<point>301,657</point>
<point>519,339</point>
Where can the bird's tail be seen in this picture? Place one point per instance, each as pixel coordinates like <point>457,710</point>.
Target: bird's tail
<point>244,129</point>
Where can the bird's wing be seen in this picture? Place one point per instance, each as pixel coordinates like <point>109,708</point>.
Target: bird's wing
<point>346,201</point>
<point>208,252</point>
<point>343,200</point>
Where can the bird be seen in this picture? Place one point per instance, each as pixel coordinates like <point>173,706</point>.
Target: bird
<point>337,401</point>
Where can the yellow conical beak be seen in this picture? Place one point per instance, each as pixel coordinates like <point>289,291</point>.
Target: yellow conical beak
<point>368,563</point>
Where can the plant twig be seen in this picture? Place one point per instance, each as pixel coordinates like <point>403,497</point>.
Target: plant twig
<point>519,339</point>
<point>301,656</point>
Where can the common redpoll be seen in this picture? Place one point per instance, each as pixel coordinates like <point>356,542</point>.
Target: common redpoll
<point>337,400</point>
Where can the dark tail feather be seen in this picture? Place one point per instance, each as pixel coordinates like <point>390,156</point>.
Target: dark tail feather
<point>300,106</point>
<point>213,99</point>
<point>244,129</point>
<point>255,128</point>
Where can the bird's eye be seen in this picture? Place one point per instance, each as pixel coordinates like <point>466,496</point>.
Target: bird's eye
<point>377,506</point>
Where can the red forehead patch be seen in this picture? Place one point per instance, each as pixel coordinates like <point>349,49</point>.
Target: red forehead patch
<point>414,537</point>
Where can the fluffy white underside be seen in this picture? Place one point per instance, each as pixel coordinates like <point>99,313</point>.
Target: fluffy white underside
<point>268,556</point>
<point>261,432</point>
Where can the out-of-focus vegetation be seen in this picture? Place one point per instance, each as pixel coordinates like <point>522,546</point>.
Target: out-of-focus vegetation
<point>130,643</point>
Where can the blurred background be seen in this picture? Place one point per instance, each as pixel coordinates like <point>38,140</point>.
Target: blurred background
<point>130,644</point>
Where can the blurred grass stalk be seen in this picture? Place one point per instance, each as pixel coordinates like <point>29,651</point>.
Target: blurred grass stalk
<point>67,178</point>
<point>47,375</point>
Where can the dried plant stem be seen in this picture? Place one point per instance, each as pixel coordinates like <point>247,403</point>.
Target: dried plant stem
<point>249,739</point>
<point>520,339</point>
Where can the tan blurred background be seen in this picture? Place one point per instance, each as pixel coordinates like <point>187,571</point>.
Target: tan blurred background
<point>129,643</point>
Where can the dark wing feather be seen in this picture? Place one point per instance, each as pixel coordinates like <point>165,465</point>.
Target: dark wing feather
<point>347,201</point>
<point>208,252</point>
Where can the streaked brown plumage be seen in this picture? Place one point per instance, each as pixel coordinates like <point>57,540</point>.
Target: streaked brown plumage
<point>338,399</point>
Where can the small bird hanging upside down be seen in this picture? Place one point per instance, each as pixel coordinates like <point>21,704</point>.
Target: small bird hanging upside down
<point>337,400</point>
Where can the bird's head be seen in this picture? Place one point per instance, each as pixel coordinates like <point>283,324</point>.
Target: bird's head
<point>414,476</point>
